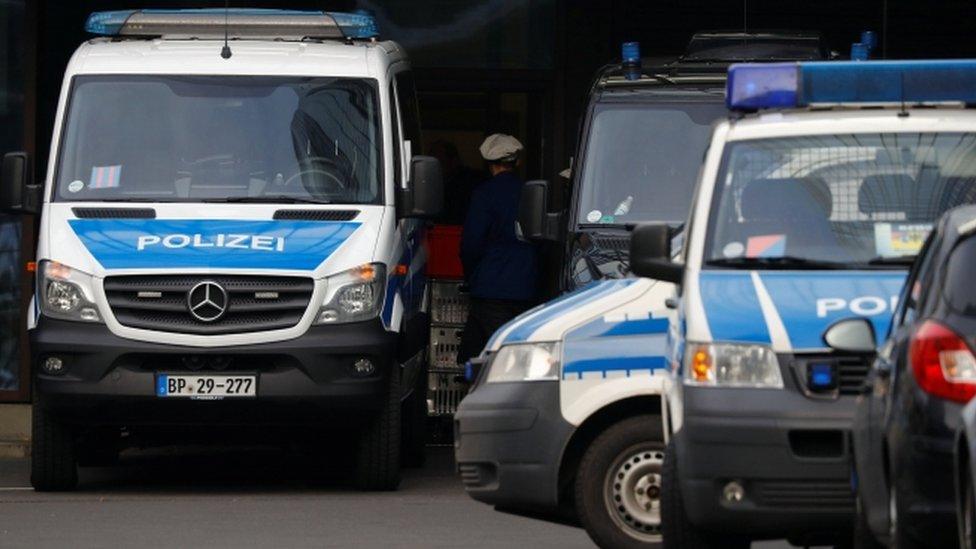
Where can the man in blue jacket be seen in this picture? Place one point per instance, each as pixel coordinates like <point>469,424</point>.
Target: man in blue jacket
<point>500,268</point>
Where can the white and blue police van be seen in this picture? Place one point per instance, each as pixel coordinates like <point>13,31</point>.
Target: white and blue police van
<point>811,206</point>
<point>230,235</point>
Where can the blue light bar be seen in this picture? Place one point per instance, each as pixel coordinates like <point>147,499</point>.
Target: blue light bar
<point>754,86</point>
<point>241,23</point>
<point>355,25</point>
<point>789,85</point>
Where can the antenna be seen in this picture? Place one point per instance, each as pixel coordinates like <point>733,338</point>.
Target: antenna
<point>904,110</point>
<point>225,51</point>
<point>745,16</point>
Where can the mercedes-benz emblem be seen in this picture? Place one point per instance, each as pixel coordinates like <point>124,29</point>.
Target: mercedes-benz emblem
<point>207,301</point>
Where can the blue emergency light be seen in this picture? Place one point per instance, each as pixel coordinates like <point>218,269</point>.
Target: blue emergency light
<point>822,376</point>
<point>754,86</point>
<point>239,23</point>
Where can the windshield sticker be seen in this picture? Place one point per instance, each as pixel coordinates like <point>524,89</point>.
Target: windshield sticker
<point>733,249</point>
<point>624,207</point>
<point>770,245</point>
<point>894,239</point>
<point>76,186</point>
<point>105,177</point>
<point>594,216</point>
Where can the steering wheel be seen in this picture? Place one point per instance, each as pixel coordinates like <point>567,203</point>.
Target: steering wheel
<point>328,171</point>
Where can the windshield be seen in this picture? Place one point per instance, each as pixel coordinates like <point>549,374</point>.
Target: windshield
<point>837,201</point>
<point>203,138</point>
<point>642,161</point>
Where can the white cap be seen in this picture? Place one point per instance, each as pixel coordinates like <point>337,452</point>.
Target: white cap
<point>500,147</point>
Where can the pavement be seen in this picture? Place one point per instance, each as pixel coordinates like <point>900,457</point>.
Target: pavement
<point>258,497</point>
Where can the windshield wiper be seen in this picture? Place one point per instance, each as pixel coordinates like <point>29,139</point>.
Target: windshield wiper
<point>780,262</point>
<point>266,199</point>
<point>892,260</point>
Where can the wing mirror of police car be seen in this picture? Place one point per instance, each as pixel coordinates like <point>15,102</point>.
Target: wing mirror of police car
<point>650,253</point>
<point>423,197</point>
<point>851,335</point>
<point>18,194</point>
<point>534,219</point>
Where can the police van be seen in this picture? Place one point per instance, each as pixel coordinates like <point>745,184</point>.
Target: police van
<point>810,208</point>
<point>641,140</point>
<point>230,234</point>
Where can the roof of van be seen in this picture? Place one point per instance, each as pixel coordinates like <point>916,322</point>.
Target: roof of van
<point>249,57</point>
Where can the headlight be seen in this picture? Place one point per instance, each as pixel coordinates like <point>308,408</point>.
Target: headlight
<point>66,293</point>
<point>732,365</point>
<point>353,295</point>
<point>525,362</point>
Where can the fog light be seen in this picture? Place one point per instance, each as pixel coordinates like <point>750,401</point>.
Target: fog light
<point>733,492</point>
<point>328,315</point>
<point>89,314</point>
<point>364,367</point>
<point>53,365</point>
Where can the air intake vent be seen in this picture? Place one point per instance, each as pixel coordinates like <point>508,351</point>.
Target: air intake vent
<point>317,215</point>
<point>114,213</point>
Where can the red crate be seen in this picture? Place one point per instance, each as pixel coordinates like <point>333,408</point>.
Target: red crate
<point>444,252</point>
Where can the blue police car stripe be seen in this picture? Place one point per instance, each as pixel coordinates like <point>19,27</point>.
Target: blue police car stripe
<point>556,308</point>
<point>628,365</point>
<point>732,307</point>
<point>218,243</point>
<point>808,303</point>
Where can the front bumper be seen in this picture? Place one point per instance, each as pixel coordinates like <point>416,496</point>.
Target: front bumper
<point>109,379</point>
<point>509,440</point>
<point>789,452</point>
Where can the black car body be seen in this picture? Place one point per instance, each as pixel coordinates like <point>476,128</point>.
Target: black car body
<point>907,417</point>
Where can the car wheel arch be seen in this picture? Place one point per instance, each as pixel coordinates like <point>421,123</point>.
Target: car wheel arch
<point>590,429</point>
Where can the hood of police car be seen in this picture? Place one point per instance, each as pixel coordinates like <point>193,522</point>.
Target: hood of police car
<point>104,239</point>
<point>790,310</point>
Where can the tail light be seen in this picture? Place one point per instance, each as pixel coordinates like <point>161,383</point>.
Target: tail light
<point>943,364</point>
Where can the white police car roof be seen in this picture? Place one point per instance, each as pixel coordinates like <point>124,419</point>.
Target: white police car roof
<point>250,57</point>
<point>832,122</point>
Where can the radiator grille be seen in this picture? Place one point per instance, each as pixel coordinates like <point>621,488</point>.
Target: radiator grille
<point>255,303</point>
<point>806,494</point>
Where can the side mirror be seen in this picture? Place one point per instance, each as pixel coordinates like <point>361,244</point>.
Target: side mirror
<point>18,194</point>
<point>535,221</point>
<point>851,335</point>
<point>424,196</point>
<point>650,253</point>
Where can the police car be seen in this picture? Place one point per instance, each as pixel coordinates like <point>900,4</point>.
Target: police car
<point>230,234</point>
<point>807,211</point>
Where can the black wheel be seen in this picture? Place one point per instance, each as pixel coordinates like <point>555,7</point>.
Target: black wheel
<point>378,459</point>
<point>618,484</point>
<point>54,465</point>
<point>678,531</point>
<point>863,537</point>
<point>414,434</point>
<point>967,508</point>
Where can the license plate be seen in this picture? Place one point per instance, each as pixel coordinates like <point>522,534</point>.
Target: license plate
<point>206,387</point>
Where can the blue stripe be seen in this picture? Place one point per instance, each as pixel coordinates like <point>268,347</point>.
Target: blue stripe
<point>568,302</point>
<point>795,296</point>
<point>732,307</point>
<point>606,365</point>
<point>601,327</point>
<point>212,243</point>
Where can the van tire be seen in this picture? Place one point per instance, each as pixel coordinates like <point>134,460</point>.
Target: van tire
<point>639,436</point>
<point>378,459</point>
<point>54,464</point>
<point>414,435</point>
<point>678,531</point>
